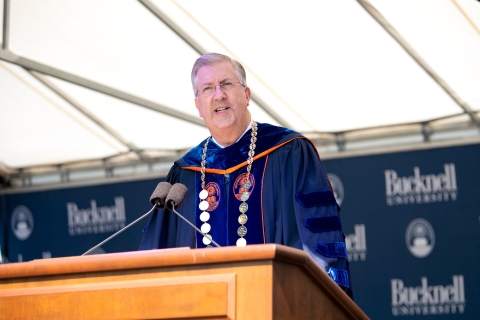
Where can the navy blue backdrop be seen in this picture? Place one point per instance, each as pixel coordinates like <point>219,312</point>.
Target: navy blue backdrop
<point>411,219</point>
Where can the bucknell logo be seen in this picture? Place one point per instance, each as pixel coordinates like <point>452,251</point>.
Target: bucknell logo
<point>213,195</point>
<point>337,186</point>
<point>95,219</point>
<point>238,185</point>
<point>428,299</point>
<point>356,243</point>
<point>421,188</point>
<point>420,238</point>
<point>22,222</point>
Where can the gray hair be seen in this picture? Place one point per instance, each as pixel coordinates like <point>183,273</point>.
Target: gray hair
<point>212,58</point>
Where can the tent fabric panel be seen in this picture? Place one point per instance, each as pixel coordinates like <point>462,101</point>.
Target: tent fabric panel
<point>333,63</point>
<point>116,43</point>
<point>143,127</point>
<point>327,68</point>
<point>37,127</point>
<point>446,40</point>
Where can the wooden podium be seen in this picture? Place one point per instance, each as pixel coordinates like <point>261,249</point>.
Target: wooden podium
<point>257,282</point>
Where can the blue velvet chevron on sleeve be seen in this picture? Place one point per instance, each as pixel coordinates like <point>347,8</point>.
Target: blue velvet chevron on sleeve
<point>311,222</point>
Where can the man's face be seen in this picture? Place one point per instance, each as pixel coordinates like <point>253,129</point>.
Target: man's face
<point>224,113</point>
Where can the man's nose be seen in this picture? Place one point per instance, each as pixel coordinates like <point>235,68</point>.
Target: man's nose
<point>219,93</point>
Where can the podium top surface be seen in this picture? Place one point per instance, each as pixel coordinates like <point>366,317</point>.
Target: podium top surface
<point>155,258</point>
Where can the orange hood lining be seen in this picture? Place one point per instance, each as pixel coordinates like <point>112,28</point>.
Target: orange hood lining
<point>235,168</point>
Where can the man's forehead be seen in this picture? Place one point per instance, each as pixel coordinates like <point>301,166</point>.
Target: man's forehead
<point>216,72</point>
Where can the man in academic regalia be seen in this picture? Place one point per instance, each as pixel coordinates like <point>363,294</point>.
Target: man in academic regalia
<point>249,182</point>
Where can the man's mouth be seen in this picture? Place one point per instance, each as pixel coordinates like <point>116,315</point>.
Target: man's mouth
<point>221,109</point>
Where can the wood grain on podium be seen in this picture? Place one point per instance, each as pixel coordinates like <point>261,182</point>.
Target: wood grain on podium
<point>256,282</point>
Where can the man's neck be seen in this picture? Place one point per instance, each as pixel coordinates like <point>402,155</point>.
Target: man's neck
<point>228,142</point>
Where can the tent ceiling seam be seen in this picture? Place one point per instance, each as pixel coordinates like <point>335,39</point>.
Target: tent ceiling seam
<point>6,23</point>
<point>392,126</point>
<point>88,114</point>
<point>175,28</point>
<point>9,56</point>
<point>467,17</point>
<point>416,56</point>
<point>53,103</point>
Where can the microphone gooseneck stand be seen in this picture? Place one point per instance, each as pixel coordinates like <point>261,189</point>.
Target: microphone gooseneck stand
<point>119,231</point>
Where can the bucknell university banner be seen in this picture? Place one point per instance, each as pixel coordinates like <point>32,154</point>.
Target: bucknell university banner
<point>411,221</point>
<point>412,225</point>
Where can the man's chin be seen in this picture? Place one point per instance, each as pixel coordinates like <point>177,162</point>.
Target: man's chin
<point>224,125</point>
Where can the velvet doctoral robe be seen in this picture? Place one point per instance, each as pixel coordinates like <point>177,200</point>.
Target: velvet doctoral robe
<point>291,200</point>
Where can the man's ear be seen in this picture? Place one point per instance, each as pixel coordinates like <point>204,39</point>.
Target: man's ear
<point>197,105</point>
<point>248,94</point>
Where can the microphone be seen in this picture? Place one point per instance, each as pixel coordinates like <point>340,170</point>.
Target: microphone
<point>160,194</point>
<point>176,196</point>
<point>157,200</point>
<point>175,199</point>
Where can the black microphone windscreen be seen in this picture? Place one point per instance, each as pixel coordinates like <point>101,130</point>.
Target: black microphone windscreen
<point>176,196</point>
<point>160,194</point>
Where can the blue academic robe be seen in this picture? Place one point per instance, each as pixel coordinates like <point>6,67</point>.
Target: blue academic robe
<point>291,200</point>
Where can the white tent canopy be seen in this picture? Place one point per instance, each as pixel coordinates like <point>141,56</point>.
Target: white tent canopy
<point>107,83</point>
